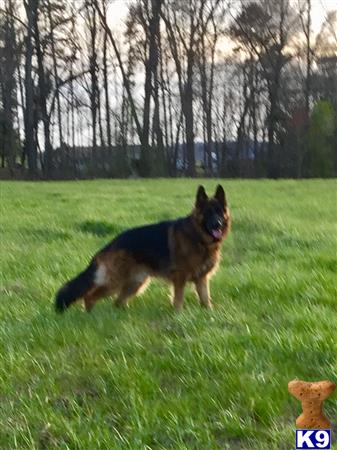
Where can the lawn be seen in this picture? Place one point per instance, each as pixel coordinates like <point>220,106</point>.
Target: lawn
<point>148,378</point>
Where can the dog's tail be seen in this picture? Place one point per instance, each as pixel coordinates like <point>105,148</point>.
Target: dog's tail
<point>75,288</point>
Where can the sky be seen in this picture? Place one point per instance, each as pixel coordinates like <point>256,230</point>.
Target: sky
<point>319,11</point>
<point>320,8</point>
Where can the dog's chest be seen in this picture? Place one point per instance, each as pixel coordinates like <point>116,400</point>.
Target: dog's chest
<point>193,260</point>
<point>205,265</point>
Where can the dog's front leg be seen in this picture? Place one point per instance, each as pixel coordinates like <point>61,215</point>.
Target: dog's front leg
<point>202,286</point>
<point>178,295</point>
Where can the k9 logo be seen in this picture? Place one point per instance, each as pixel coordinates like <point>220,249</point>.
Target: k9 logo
<point>313,439</point>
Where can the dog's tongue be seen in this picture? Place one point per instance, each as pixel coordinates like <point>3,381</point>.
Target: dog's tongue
<point>216,233</point>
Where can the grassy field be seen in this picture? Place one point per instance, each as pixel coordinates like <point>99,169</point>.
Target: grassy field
<point>147,378</point>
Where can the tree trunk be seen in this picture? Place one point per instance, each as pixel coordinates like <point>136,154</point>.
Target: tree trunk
<point>93,78</point>
<point>150,67</point>
<point>43,94</point>
<point>106,91</point>
<point>23,107</point>
<point>100,120</point>
<point>156,5</point>
<point>30,143</point>
<point>126,81</point>
<point>207,83</point>
<point>56,77</point>
<point>188,114</point>
<point>272,171</point>
<point>8,86</point>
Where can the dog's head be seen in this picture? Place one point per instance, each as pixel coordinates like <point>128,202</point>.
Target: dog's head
<point>212,214</point>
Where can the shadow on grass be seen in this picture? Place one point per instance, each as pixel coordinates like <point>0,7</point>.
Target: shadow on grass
<point>99,228</point>
<point>43,234</point>
<point>57,195</point>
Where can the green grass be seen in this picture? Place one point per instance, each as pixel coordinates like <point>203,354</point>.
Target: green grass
<point>147,378</point>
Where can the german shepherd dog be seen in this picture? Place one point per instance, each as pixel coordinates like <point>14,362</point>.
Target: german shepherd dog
<point>179,251</point>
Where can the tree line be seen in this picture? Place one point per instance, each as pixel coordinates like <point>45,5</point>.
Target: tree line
<point>233,88</point>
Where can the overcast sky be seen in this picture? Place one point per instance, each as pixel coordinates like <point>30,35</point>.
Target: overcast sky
<point>320,8</point>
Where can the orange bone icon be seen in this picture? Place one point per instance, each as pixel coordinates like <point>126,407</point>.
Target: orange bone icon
<point>312,396</point>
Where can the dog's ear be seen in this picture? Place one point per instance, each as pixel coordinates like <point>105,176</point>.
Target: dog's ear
<point>201,198</point>
<point>220,196</point>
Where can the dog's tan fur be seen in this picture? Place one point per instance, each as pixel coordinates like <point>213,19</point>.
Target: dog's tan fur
<point>194,257</point>
<point>193,262</point>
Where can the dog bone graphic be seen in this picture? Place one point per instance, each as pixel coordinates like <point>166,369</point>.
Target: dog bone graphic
<point>312,396</point>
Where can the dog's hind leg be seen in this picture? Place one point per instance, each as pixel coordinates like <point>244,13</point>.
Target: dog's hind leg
<point>134,286</point>
<point>93,296</point>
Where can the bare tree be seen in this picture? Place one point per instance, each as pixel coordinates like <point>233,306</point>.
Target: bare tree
<point>8,65</point>
<point>264,29</point>
<point>30,141</point>
<point>43,96</point>
<point>55,68</point>
<point>106,78</point>
<point>91,99</point>
<point>91,22</point>
<point>208,42</point>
